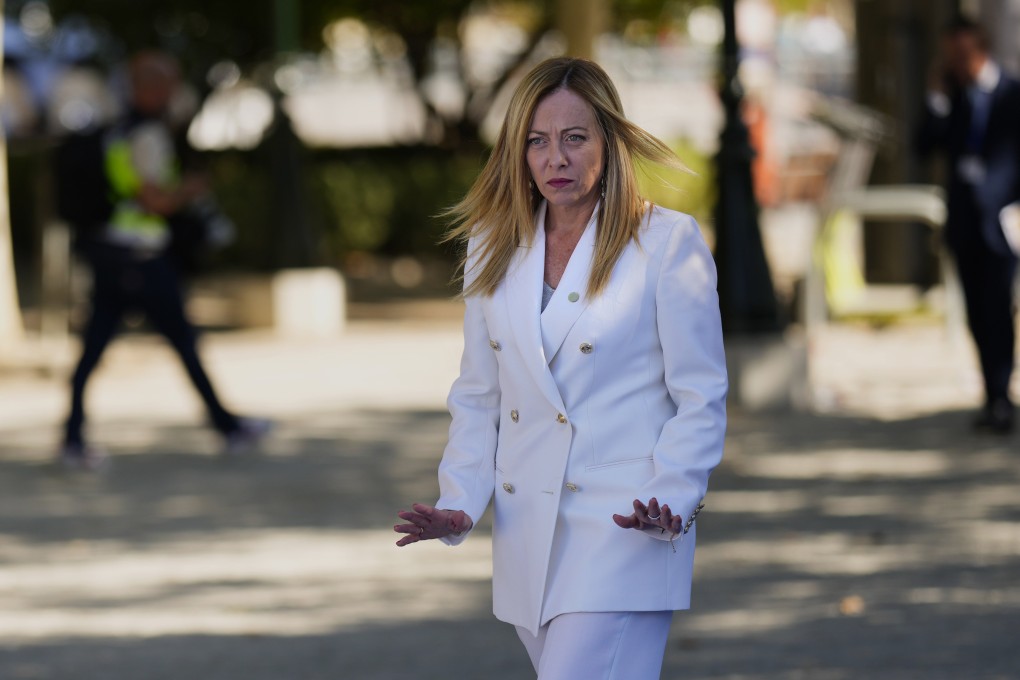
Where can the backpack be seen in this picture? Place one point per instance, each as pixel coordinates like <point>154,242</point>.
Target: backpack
<point>82,188</point>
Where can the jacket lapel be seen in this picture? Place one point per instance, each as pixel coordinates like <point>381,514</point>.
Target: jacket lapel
<point>522,291</point>
<point>569,300</point>
<point>992,122</point>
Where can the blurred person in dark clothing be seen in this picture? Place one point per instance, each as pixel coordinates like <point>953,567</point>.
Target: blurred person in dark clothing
<point>973,117</point>
<point>130,252</point>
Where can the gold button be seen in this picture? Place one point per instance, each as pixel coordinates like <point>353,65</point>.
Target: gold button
<point>514,415</point>
<point>495,345</point>
<point>585,348</point>
<point>572,487</point>
<point>560,418</point>
<point>508,487</point>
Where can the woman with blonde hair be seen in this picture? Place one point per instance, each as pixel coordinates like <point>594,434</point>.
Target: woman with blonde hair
<point>590,406</point>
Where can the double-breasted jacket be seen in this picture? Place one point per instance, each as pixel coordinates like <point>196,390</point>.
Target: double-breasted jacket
<point>565,416</point>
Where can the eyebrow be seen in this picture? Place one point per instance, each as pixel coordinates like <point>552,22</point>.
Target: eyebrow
<point>576,127</point>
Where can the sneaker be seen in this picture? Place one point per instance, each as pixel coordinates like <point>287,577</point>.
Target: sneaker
<point>249,434</point>
<point>82,458</point>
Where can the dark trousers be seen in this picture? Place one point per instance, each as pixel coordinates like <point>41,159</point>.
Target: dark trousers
<point>123,282</point>
<point>987,278</point>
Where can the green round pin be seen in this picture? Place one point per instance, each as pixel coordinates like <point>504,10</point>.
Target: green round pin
<point>573,297</point>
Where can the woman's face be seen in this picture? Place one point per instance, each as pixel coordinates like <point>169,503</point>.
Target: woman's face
<point>565,150</point>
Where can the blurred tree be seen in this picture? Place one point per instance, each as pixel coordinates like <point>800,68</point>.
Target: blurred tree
<point>10,313</point>
<point>434,37</point>
<point>581,22</point>
<point>203,33</point>
<point>420,25</point>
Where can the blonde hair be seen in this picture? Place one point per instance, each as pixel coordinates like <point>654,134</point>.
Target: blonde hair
<point>498,212</point>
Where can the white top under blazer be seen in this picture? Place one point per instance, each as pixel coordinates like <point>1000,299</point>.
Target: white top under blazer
<point>567,415</point>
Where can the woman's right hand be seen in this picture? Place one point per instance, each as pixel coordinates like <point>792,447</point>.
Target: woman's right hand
<point>427,522</point>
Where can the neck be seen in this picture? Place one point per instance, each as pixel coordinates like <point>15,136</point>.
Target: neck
<point>567,219</point>
<point>975,76</point>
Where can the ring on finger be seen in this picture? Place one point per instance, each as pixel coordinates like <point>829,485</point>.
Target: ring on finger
<point>654,518</point>
<point>421,530</point>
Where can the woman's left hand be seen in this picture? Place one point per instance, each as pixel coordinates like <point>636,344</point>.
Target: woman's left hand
<point>650,516</point>
<point>427,522</point>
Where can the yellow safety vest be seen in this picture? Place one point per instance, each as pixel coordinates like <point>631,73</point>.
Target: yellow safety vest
<point>129,218</point>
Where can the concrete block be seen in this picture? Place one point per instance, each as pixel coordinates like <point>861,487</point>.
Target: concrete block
<point>308,302</point>
<point>768,371</point>
<point>295,302</point>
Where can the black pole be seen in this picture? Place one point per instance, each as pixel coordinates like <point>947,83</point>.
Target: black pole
<point>295,237</point>
<point>746,297</point>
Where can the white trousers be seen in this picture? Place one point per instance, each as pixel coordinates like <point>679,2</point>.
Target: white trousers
<point>599,646</point>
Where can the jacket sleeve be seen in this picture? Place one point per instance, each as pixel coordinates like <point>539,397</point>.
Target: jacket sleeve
<point>690,445</point>
<point>467,470</point>
<point>933,126</point>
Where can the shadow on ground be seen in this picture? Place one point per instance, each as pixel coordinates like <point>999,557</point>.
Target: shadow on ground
<point>832,548</point>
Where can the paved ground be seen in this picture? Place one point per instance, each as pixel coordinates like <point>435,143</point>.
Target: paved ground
<point>874,539</point>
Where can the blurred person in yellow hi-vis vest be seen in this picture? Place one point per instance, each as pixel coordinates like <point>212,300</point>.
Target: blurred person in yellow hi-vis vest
<point>129,253</point>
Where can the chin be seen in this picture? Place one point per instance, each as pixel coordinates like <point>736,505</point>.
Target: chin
<point>567,200</point>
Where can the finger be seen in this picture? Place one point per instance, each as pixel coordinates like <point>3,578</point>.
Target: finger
<point>665,517</point>
<point>628,522</point>
<point>414,533</point>
<point>650,515</point>
<point>423,509</point>
<point>407,540</point>
<point>677,525</point>
<point>411,516</point>
<point>412,537</point>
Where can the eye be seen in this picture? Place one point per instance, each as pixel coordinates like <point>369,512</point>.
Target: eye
<point>535,141</point>
<point>576,138</point>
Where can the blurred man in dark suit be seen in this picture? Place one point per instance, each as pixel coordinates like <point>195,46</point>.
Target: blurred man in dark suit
<point>973,117</point>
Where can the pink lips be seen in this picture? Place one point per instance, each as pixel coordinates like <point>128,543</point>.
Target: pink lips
<point>559,182</point>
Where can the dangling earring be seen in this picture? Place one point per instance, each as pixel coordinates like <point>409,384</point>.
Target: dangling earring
<point>603,186</point>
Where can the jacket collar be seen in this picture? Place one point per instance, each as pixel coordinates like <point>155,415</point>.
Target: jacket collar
<point>988,78</point>
<point>541,334</point>
<point>522,291</point>
<point>570,298</point>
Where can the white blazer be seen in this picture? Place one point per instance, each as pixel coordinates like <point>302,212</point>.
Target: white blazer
<point>568,415</point>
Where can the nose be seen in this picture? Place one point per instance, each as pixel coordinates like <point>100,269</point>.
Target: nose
<point>556,156</point>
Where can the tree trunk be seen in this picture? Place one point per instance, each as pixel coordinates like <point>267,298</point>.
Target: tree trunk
<point>11,329</point>
<point>897,43</point>
<point>581,22</point>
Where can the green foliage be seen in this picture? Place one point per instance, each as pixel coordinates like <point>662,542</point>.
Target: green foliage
<point>202,32</point>
<point>360,196</point>
<point>198,32</point>
<point>790,6</point>
<point>387,200</point>
<point>376,200</point>
<point>242,184</point>
<point>380,200</point>
<point>690,192</point>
